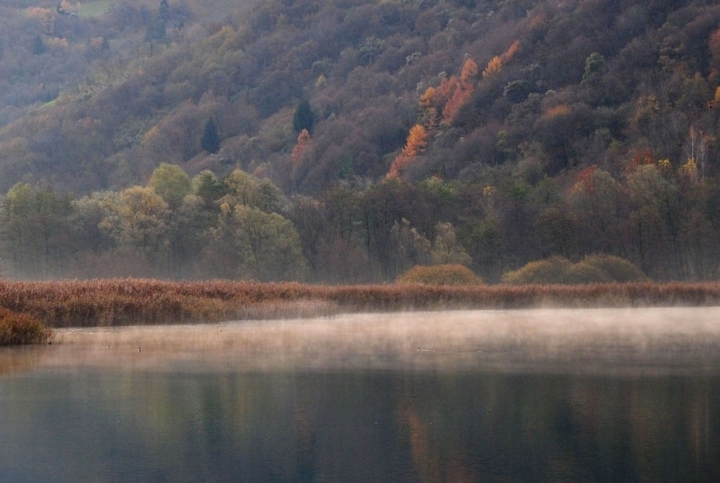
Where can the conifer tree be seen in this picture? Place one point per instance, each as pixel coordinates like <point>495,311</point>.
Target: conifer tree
<point>210,140</point>
<point>304,117</point>
<point>38,46</point>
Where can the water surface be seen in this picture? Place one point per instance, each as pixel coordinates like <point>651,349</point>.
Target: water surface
<point>475,402</point>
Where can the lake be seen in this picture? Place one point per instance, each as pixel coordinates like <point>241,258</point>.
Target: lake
<point>543,395</point>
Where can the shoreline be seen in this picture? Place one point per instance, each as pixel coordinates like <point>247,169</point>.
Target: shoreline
<point>126,302</point>
<point>603,341</point>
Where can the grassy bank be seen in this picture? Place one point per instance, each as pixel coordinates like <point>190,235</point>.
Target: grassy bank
<point>144,302</point>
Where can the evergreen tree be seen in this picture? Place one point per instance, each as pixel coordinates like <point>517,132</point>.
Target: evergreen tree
<point>164,11</point>
<point>210,140</point>
<point>304,117</point>
<point>38,46</point>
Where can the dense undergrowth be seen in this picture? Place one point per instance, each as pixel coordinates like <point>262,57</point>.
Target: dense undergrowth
<point>139,302</point>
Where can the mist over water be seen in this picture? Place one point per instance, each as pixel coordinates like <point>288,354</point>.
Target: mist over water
<point>587,340</point>
<point>536,395</point>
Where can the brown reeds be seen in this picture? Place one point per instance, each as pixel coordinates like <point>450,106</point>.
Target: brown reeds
<point>144,302</point>
<point>17,329</point>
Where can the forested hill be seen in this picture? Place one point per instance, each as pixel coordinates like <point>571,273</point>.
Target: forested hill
<point>490,133</point>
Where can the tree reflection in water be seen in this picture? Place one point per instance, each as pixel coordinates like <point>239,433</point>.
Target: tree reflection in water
<point>357,426</point>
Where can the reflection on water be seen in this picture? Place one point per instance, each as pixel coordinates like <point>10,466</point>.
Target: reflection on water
<point>432,398</point>
<point>364,426</point>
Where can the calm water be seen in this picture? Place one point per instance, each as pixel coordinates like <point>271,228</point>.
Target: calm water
<point>125,425</point>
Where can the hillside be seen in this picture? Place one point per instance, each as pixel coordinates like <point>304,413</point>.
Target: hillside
<point>488,133</point>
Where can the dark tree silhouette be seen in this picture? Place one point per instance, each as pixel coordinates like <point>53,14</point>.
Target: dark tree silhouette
<point>304,117</point>
<point>210,140</point>
<point>38,46</point>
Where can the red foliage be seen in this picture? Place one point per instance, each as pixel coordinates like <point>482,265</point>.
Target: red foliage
<point>641,157</point>
<point>584,180</point>
<point>303,141</point>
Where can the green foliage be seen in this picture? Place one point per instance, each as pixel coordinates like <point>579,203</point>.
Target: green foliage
<point>446,249</point>
<point>254,245</point>
<point>449,274</point>
<point>245,189</point>
<point>171,183</point>
<point>208,187</point>
<point>19,328</point>
<point>593,65</point>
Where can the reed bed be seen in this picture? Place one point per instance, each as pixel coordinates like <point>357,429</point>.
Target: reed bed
<point>18,329</point>
<point>118,302</point>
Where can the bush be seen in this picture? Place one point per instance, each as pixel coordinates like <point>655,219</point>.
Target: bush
<point>17,328</point>
<point>451,274</point>
<point>597,268</point>
<point>552,270</point>
<point>619,269</point>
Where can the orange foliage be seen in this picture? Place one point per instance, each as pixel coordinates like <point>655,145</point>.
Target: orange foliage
<point>493,67</point>
<point>416,144</point>
<point>496,63</point>
<point>561,110</point>
<point>641,157</point>
<point>469,71</point>
<point>461,95</point>
<point>510,52</point>
<point>398,166</point>
<point>303,141</point>
<point>427,100</point>
<point>445,90</point>
<point>416,141</point>
<point>584,180</point>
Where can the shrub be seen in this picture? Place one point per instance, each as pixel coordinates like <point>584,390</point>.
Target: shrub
<point>17,328</point>
<point>450,274</point>
<point>619,269</point>
<point>551,270</point>
<point>582,272</point>
<point>597,268</point>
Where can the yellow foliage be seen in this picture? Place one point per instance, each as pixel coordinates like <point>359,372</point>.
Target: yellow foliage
<point>469,71</point>
<point>416,141</point>
<point>152,132</point>
<point>493,67</point>
<point>427,99</point>
<point>690,170</point>
<point>665,167</point>
<point>450,274</point>
<point>496,63</point>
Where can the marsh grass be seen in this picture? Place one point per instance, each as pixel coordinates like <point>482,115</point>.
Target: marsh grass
<point>18,328</point>
<point>120,302</point>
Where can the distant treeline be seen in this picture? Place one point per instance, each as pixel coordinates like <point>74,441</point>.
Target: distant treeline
<point>663,219</point>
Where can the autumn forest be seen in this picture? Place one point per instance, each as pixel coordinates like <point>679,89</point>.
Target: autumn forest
<point>348,141</point>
